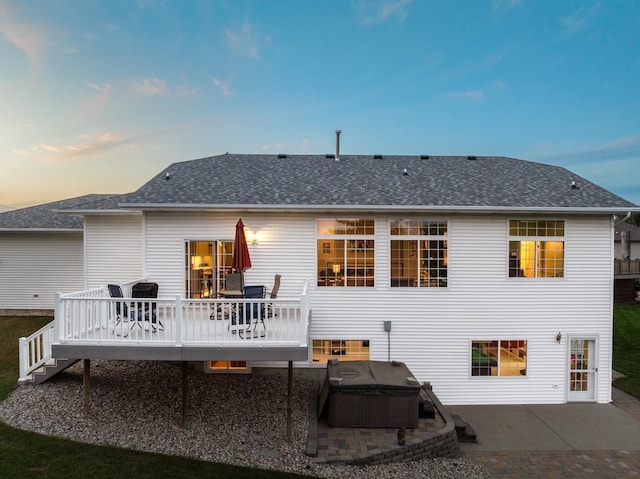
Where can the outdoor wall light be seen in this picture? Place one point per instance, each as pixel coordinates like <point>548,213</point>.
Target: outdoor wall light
<point>558,337</point>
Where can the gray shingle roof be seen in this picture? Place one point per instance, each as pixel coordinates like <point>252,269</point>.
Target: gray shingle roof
<point>359,180</point>
<point>44,217</point>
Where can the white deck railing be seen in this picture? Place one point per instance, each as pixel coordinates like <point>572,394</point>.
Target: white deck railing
<point>35,350</point>
<point>94,318</point>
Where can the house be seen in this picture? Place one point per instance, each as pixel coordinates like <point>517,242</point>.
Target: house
<point>41,253</point>
<point>626,263</point>
<point>490,277</point>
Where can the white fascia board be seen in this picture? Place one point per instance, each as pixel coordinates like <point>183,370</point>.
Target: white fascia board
<point>96,212</point>
<point>378,208</point>
<point>42,230</point>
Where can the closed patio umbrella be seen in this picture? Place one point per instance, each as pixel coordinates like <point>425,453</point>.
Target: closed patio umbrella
<point>240,261</point>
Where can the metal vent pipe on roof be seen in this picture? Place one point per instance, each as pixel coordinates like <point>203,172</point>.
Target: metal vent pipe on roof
<point>338,145</point>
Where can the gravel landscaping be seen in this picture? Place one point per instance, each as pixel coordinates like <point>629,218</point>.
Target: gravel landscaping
<point>234,419</point>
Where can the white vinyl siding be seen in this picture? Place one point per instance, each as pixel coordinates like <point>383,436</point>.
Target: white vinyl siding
<point>432,327</point>
<point>113,248</point>
<point>36,265</point>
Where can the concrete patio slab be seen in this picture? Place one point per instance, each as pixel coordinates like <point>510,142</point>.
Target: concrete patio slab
<point>549,427</point>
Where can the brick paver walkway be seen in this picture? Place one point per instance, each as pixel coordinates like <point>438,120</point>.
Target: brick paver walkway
<point>566,464</point>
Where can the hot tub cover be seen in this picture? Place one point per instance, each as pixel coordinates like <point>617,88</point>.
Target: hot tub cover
<point>371,377</point>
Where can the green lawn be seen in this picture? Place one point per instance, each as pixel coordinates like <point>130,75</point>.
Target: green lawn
<point>28,455</point>
<point>626,347</point>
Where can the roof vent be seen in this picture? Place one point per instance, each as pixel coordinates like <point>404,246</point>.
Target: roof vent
<point>167,176</point>
<point>405,173</point>
<point>424,157</point>
<point>282,155</point>
<point>377,157</point>
<point>337,157</point>
<point>574,186</point>
<point>330,155</point>
<point>471,157</point>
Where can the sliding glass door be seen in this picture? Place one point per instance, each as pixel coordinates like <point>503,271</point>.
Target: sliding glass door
<point>206,264</point>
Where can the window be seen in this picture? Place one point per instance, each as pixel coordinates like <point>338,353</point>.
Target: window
<point>227,366</point>
<point>536,249</point>
<point>345,252</point>
<point>418,253</point>
<point>206,264</point>
<point>506,357</point>
<point>342,349</point>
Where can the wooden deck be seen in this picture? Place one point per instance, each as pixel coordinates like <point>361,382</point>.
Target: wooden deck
<point>92,325</point>
<point>181,329</point>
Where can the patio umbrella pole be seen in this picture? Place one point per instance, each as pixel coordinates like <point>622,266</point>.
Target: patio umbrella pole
<point>86,377</point>
<point>289,388</point>
<point>185,384</point>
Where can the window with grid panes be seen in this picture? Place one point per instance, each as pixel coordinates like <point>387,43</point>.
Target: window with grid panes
<point>536,249</point>
<point>505,357</point>
<point>342,349</point>
<point>345,251</point>
<point>419,256</point>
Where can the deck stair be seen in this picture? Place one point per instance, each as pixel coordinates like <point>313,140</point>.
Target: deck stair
<point>52,367</point>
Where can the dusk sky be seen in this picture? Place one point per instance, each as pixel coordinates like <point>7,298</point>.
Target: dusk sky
<point>99,96</point>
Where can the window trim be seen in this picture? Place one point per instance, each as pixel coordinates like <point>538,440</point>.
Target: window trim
<point>420,238</point>
<point>536,240</point>
<point>498,376</point>
<point>357,239</point>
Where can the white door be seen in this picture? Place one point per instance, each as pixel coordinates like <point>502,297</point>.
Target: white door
<point>582,370</point>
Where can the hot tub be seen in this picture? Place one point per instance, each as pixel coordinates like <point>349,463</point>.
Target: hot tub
<point>371,394</point>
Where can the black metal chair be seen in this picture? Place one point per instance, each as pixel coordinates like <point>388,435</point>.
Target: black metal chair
<point>253,313</point>
<point>146,310</point>
<point>137,311</point>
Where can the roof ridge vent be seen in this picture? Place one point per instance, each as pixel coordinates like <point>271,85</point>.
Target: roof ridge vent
<point>377,157</point>
<point>471,157</point>
<point>282,155</point>
<point>424,157</point>
<point>330,155</point>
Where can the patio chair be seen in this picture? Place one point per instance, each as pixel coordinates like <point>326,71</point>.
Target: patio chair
<point>137,311</point>
<point>273,294</point>
<point>233,288</point>
<point>252,313</point>
<point>146,310</point>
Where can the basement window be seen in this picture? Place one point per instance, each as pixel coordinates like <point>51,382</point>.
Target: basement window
<point>341,349</point>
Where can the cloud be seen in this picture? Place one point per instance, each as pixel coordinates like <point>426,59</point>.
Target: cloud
<point>579,20</point>
<point>620,148</point>
<point>502,5</point>
<point>156,86</point>
<point>224,87</point>
<point>31,39</point>
<point>243,42</point>
<point>472,95</point>
<point>20,152</point>
<point>149,86</point>
<point>91,105</point>
<point>372,12</point>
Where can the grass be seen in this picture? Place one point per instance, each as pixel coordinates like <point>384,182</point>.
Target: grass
<point>626,347</point>
<point>26,455</point>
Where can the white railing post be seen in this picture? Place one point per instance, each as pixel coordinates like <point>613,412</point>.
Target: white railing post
<point>58,319</point>
<point>24,358</point>
<point>179,319</point>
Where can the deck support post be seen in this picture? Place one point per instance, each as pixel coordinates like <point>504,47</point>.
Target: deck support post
<point>86,380</point>
<point>289,389</point>
<point>185,384</point>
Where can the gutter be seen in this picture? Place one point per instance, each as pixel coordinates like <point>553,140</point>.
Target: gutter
<point>372,208</point>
